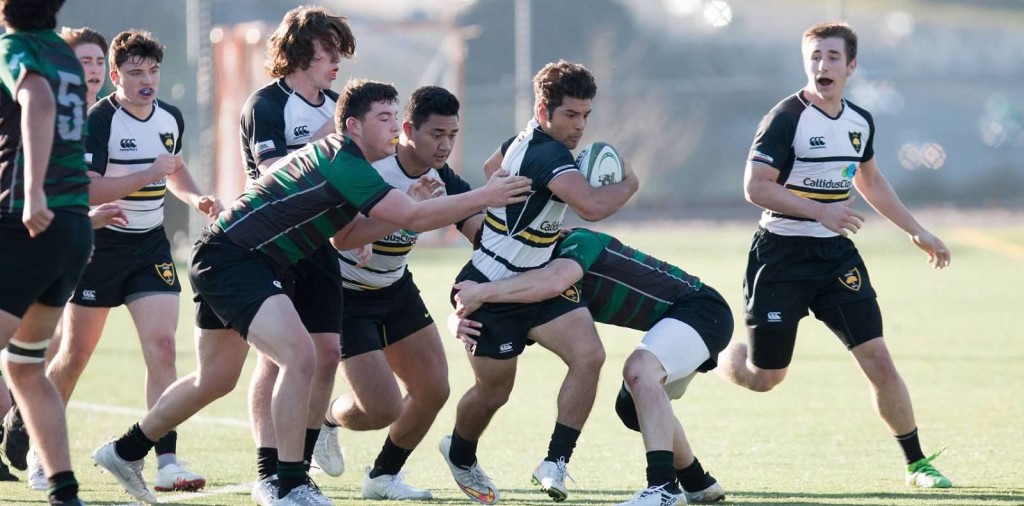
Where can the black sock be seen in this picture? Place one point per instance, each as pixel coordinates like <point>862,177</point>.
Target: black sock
<point>133,445</point>
<point>290,475</point>
<point>693,478</point>
<point>911,446</point>
<point>390,459</point>
<point>63,486</point>
<point>463,451</point>
<point>309,444</point>
<point>168,443</point>
<point>329,423</point>
<point>563,440</point>
<point>660,471</point>
<point>266,462</point>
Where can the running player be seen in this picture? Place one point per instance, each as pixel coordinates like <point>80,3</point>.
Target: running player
<point>387,330</point>
<point>810,150</point>
<point>296,108</point>
<point>44,228</point>
<point>519,238</point>
<point>240,264</point>
<point>133,153</point>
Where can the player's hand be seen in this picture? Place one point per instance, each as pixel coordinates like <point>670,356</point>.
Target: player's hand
<point>210,206</point>
<point>468,298</point>
<point>938,253</point>
<point>107,214</point>
<point>164,165</point>
<point>464,330</point>
<point>502,189</point>
<point>840,217</point>
<point>426,188</point>
<point>363,255</point>
<point>36,215</point>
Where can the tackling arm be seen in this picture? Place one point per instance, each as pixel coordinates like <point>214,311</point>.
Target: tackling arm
<point>531,286</point>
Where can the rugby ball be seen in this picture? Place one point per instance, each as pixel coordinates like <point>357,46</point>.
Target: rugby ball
<point>600,164</point>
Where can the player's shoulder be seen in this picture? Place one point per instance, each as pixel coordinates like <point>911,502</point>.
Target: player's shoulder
<point>859,110</point>
<point>789,108</point>
<point>273,95</point>
<point>169,109</point>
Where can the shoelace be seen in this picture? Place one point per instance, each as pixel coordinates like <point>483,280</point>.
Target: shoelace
<point>659,490</point>
<point>397,483</point>
<point>926,466</point>
<point>478,474</point>
<point>561,467</point>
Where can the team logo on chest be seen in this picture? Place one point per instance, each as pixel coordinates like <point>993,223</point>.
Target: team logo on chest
<point>166,272</point>
<point>855,140</point>
<point>572,293</point>
<point>851,279</point>
<point>168,141</point>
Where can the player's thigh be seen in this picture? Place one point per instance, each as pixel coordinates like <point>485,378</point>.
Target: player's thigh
<point>82,328</point>
<point>155,315</point>
<point>677,347</point>
<point>317,293</point>
<point>370,380</point>
<point>572,336</point>
<point>419,362</point>
<point>277,331</point>
<point>220,354</point>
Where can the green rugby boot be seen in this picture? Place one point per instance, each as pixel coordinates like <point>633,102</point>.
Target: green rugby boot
<point>923,474</point>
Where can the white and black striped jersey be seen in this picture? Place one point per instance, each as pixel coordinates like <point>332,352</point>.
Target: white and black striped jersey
<point>119,144</point>
<point>391,253</point>
<point>276,121</point>
<point>817,156</point>
<point>521,237</point>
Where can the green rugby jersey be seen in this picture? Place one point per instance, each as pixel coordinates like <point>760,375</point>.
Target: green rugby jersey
<point>46,54</point>
<point>624,286</point>
<point>288,213</point>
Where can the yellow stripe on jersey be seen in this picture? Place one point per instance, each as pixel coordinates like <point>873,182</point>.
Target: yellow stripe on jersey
<point>526,235</point>
<point>821,196</point>
<point>362,286</point>
<point>154,194</point>
<point>392,249</point>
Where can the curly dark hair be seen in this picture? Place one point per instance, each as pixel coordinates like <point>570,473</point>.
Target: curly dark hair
<point>290,48</point>
<point>77,36</point>
<point>30,14</point>
<point>135,44</point>
<point>563,79</point>
<point>427,100</point>
<point>839,30</point>
<point>358,98</point>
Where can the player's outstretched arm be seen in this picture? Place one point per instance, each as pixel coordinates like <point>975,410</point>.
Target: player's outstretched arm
<point>590,203</point>
<point>875,188</point>
<point>760,187</point>
<point>400,209</point>
<point>531,286</point>
<point>183,186</point>
<point>38,115</point>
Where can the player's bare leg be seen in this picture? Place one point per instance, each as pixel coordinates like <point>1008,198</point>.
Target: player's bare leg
<point>735,366</point>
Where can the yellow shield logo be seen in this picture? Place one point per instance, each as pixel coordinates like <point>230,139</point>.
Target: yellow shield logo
<point>572,293</point>
<point>855,140</point>
<point>851,279</point>
<point>168,141</point>
<point>166,272</point>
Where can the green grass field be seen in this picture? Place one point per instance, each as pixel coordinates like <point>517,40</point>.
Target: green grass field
<point>814,440</point>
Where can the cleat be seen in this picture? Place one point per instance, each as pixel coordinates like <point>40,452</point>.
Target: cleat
<point>303,495</point>
<point>175,478</point>
<point>37,476</point>
<point>128,474</point>
<point>264,492</point>
<point>713,493</point>
<point>327,454</point>
<point>15,444</point>
<point>70,502</point>
<point>655,496</point>
<point>550,477</point>
<point>474,482</point>
<point>318,497</point>
<point>392,488</point>
<point>923,474</point>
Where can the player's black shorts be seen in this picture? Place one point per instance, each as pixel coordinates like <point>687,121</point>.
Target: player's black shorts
<point>231,282</point>
<point>126,267</point>
<point>317,291</point>
<point>787,275</point>
<point>708,313</point>
<point>505,326</point>
<point>374,319</point>
<point>43,269</point>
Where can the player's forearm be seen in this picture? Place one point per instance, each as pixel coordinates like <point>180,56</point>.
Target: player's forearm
<point>526,287</point>
<point>184,187</point>
<point>104,189</point>
<point>38,115</point>
<point>439,212</point>
<point>882,197</point>
<point>607,200</point>
<point>362,231</point>
<point>774,197</point>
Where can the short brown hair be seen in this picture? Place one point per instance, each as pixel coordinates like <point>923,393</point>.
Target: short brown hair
<point>563,79</point>
<point>829,30</point>
<point>135,44</point>
<point>29,14</point>
<point>358,98</point>
<point>77,36</point>
<point>290,48</point>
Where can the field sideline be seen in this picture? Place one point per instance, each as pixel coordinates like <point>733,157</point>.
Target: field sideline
<point>814,440</point>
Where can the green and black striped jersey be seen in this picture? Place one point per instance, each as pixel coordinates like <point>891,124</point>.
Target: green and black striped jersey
<point>44,53</point>
<point>319,189</point>
<point>622,285</point>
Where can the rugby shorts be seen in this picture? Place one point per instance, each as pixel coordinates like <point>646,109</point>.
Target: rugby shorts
<point>126,267</point>
<point>375,319</point>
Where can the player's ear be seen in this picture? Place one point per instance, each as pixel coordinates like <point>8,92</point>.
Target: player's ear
<point>113,75</point>
<point>541,111</point>
<point>353,125</point>
<point>407,129</point>
<point>851,67</point>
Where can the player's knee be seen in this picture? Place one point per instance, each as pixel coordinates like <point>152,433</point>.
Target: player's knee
<point>590,358</point>
<point>626,409</point>
<point>763,380</point>
<point>160,350</point>
<point>216,385</point>
<point>383,414</point>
